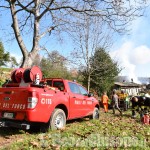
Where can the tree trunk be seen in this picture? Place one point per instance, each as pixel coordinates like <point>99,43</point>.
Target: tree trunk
<point>89,79</point>
<point>28,59</point>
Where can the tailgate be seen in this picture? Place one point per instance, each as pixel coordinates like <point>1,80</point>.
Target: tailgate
<point>13,102</point>
<point>13,98</point>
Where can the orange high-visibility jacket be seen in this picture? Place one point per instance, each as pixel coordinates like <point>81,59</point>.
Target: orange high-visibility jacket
<point>105,99</point>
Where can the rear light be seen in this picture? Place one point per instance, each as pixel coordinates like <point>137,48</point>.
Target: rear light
<point>32,102</point>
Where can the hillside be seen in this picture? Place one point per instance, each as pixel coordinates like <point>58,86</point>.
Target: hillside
<point>4,74</point>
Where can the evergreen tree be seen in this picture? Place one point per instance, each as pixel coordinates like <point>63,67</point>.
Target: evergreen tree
<point>104,71</point>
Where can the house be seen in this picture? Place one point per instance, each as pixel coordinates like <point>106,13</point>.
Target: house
<point>130,88</point>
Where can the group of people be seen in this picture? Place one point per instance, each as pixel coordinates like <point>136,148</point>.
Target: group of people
<point>114,102</point>
<point>140,104</point>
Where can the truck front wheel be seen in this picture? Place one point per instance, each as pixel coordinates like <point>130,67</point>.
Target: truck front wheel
<point>95,113</point>
<point>58,119</point>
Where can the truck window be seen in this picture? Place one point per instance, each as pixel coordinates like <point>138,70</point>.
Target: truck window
<point>49,82</point>
<point>59,85</point>
<point>83,90</point>
<point>74,88</point>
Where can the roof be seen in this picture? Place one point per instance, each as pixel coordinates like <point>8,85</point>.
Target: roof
<point>127,84</point>
<point>141,80</point>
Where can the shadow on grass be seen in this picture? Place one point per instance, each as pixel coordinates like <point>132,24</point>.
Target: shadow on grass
<point>5,131</point>
<point>78,120</point>
<point>8,131</point>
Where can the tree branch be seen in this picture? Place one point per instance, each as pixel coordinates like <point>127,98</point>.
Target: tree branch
<point>48,30</point>
<point>25,7</point>
<point>47,9</point>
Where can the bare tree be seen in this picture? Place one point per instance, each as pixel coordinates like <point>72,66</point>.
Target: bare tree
<point>38,18</point>
<point>88,34</point>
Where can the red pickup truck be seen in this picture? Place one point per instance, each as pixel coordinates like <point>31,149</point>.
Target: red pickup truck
<point>30,101</point>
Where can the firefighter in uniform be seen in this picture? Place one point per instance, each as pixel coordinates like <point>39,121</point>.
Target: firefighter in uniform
<point>105,101</point>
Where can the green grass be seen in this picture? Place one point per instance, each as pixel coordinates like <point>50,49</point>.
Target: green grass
<point>109,132</point>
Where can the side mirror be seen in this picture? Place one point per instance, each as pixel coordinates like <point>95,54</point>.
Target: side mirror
<point>90,94</point>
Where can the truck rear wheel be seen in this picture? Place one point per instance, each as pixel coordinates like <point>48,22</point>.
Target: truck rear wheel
<point>58,119</point>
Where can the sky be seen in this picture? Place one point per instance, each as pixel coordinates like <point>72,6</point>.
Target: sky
<point>132,52</point>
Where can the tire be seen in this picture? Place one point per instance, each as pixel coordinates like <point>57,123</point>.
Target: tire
<point>58,119</point>
<point>95,114</point>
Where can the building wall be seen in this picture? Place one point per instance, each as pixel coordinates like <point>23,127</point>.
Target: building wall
<point>132,91</point>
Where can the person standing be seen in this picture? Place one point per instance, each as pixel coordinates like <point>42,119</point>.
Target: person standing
<point>115,99</point>
<point>105,102</point>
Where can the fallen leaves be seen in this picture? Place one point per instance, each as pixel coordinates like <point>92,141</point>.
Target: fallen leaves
<point>80,133</point>
<point>34,144</point>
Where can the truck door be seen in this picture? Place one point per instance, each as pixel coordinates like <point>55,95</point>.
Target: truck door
<point>87,100</point>
<point>76,100</point>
